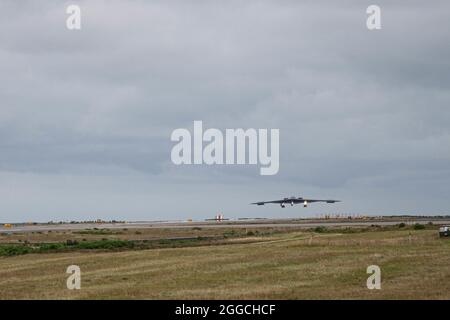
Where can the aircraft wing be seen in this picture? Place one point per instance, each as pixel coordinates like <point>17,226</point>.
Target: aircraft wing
<point>315,200</point>
<point>261,203</point>
<point>293,201</point>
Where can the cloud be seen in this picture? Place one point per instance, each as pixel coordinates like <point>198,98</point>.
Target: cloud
<point>86,116</point>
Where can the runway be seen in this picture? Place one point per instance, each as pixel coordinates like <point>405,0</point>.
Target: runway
<point>265,223</point>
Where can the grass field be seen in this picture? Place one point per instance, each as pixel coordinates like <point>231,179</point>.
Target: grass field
<point>276,264</point>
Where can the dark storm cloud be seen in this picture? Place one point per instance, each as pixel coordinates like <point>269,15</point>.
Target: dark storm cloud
<point>86,116</point>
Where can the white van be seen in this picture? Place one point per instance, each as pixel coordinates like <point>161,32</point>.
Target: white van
<point>444,231</point>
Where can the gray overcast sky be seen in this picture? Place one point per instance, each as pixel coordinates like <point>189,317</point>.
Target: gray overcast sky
<point>86,116</point>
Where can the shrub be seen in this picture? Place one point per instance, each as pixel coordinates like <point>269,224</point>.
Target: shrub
<point>320,229</point>
<point>12,250</point>
<point>51,247</point>
<point>401,225</point>
<point>230,233</point>
<point>418,226</point>
<point>105,244</point>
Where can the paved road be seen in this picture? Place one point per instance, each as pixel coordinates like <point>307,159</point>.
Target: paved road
<point>213,224</point>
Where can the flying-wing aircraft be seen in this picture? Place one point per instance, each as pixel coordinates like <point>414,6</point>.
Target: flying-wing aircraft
<point>294,200</point>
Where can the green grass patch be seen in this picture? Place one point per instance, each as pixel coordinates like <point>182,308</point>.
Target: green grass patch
<point>97,232</point>
<point>19,249</point>
<point>14,250</point>
<point>104,244</point>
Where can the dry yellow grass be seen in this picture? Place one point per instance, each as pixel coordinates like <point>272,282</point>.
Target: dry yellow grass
<point>284,266</point>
